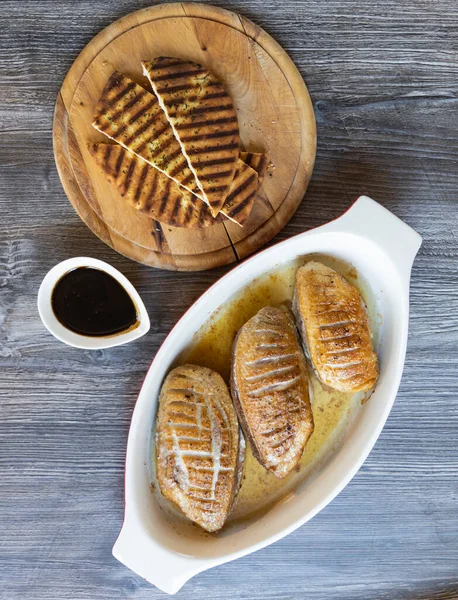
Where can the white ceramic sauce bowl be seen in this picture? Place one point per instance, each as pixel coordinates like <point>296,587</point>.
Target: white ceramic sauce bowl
<point>77,340</point>
<point>382,249</point>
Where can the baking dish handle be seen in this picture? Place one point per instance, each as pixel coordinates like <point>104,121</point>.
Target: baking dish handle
<point>371,220</point>
<point>165,569</point>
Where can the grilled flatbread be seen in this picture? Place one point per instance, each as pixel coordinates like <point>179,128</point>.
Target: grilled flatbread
<point>131,116</point>
<point>333,322</point>
<point>204,120</point>
<point>270,389</point>
<point>198,445</point>
<point>258,162</point>
<point>242,193</point>
<point>150,191</point>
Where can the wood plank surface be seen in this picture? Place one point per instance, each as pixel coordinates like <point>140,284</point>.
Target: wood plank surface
<point>383,77</point>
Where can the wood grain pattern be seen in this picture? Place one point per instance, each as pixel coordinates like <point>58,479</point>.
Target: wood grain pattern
<point>384,81</point>
<point>274,115</point>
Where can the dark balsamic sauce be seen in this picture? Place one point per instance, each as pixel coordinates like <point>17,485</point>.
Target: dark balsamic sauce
<point>91,302</point>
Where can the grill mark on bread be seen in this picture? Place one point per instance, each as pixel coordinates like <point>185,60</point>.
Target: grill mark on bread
<point>129,105</point>
<point>148,190</point>
<point>211,149</point>
<point>204,90</point>
<point>165,198</point>
<point>140,113</point>
<point>119,131</point>
<point>194,98</point>
<point>130,172</point>
<point>209,136</point>
<point>188,215</point>
<point>141,181</point>
<point>179,74</point>
<point>189,177</point>
<point>215,175</point>
<point>216,161</point>
<point>180,166</point>
<point>119,162</point>
<point>113,82</point>
<point>107,153</point>
<point>150,198</point>
<point>241,187</point>
<point>206,109</point>
<point>130,115</point>
<point>179,88</point>
<point>175,210</point>
<point>207,123</point>
<point>124,91</point>
<point>140,131</point>
<point>242,192</point>
<point>240,207</point>
<point>143,145</point>
<point>216,188</point>
<point>160,150</point>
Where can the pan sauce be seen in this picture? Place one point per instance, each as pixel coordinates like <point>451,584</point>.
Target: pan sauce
<point>332,411</point>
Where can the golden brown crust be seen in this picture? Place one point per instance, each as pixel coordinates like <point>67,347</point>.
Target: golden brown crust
<point>131,116</point>
<point>270,389</point>
<point>150,191</point>
<point>242,194</point>
<point>334,325</point>
<point>197,445</point>
<point>204,119</point>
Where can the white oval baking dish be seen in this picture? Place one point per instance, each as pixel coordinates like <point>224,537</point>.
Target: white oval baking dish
<point>382,249</point>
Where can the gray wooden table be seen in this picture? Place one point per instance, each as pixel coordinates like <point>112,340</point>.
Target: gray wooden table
<point>383,77</point>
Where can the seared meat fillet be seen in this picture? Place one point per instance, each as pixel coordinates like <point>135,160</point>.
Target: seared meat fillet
<point>270,389</point>
<point>204,120</point>
<point>333,322</point>
<point>131,116</point>
<point>198,445</point>
<point>150,191</point>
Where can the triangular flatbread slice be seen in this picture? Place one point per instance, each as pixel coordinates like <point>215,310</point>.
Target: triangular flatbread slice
<point>258,162</point>
<point>148,190</point>
<point>204,120</point>
<point>242,193</point>
<point>131,116</point>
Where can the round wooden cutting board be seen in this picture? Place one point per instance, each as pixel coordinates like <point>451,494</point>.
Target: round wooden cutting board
<point>274,111</point>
